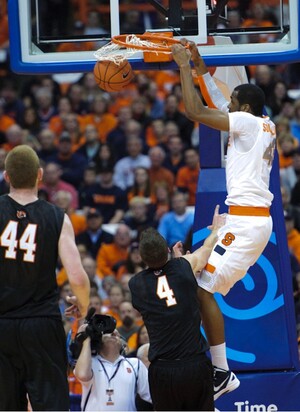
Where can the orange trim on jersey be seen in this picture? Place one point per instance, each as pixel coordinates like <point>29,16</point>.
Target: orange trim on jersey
<point>210,268</point>
<point>205,93</point>
<point>249,211</point>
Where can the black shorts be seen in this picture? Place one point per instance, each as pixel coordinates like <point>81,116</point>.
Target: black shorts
<point>33,361</point>
<point>182,385</point>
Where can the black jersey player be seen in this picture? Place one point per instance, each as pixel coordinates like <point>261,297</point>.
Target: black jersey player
<point>33,232</point>
<point>180,373</point>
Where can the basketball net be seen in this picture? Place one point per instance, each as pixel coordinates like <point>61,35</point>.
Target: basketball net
<point>155,48</point>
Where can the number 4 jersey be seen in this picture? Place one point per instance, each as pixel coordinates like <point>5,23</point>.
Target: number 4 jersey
<point>28,257</point>
<point>167,300</point>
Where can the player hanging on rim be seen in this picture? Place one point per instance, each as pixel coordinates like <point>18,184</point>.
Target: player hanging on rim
<point>250,152</point>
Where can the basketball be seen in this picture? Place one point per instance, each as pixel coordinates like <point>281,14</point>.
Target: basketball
<point>112,77</point>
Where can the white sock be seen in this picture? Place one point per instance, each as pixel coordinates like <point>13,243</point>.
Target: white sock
<point>218,356</point>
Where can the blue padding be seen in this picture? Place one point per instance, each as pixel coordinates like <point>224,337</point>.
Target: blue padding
<point>209,147</point>
<point>211,180</point>
<point>277,391</point>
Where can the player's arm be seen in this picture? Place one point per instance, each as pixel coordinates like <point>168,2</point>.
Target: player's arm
<point>194,107</point>
<point>77,276</point>
<point>199,258</point>
<point>212,94</point>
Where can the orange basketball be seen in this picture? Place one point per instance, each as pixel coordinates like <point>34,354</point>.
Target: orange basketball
<point>112,77</point>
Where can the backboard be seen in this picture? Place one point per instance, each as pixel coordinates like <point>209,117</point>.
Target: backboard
<point>45,39</point>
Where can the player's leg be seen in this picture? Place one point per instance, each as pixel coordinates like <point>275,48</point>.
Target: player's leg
<point>13,393</point>
<point>160,378</point>
<point>44,352</point>
<point>212,317</point>
<point>213,323</point>
<point>240,242</point>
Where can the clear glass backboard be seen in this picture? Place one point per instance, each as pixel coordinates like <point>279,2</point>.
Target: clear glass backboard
<point>62,39</point>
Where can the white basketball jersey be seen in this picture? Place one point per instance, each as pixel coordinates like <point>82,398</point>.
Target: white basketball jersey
<point>250,154</point>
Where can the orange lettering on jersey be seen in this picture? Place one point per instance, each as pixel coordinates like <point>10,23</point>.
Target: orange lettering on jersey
<point>228,239</point>
<point>104,199</point>
<point>267,128</point>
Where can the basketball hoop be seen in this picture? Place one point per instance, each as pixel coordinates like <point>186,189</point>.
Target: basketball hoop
<point>121,47</point>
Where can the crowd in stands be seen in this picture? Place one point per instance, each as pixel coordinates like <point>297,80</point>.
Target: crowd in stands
<point>119,163</point>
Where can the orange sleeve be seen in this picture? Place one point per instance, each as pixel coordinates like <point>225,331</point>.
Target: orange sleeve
<point>205,93</point>
<point>6,122</point>
<point>78,223</point>
<point>181,177</point>
<point>104,259</point>
<point>132,342</point>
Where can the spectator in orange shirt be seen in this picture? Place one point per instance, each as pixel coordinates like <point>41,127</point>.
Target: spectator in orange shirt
<point>293,235</point>
<point>158,173</point>
<point>165,79</point>
<point>63,199</point>
<point>155,134</point>
<point>4,34</point>
<point>140,338</point>
<point>286,144</point>
<point>74,125</point>
<point>141,186</point>
<point>100,117</point>
<point>5,121</point>
<point>116,296</point>
<point>56,123</point>
<point>258,18</point>
<point>132,265</point>
<point>162,201</point>
<point>187,176</point>
<point>110,256</point>
<point>129,325</point>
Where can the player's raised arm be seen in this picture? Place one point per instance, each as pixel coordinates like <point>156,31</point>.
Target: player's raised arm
<point>194,106</point>
<point>199,258</point>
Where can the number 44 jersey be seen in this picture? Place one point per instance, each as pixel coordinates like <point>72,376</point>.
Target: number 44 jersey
<point>29,236</point>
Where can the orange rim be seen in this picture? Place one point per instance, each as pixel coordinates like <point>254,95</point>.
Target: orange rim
<point>166,42</point>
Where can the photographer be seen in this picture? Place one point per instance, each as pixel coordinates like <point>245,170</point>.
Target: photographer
<point>109,380</point>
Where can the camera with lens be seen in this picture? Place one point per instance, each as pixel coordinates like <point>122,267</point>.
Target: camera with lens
<point>97,325</point>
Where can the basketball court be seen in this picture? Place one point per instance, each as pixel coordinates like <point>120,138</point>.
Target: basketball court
<point>259,311</point>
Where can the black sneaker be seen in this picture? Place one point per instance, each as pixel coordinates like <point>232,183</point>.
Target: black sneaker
<point>224,381</point>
